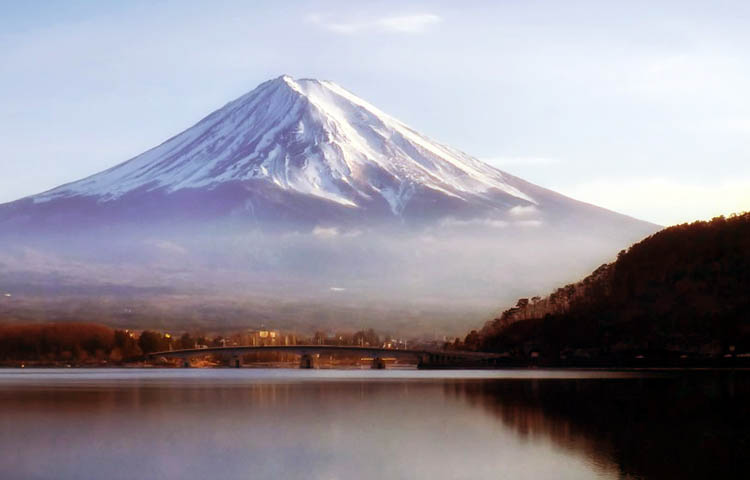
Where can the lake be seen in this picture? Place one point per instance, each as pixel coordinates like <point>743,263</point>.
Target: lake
<point>370,424</point>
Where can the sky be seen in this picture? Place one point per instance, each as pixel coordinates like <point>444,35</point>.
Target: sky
<point>640,107</point>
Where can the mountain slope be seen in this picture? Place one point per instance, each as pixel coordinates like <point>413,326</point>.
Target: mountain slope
<point>298,150</point>
<point>300,190</point>
<point>308,136</point>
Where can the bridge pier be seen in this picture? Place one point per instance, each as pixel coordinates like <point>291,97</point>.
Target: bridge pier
<point>236,361</point>
<point>307,361</point>
<point>434,361</point>
<point>378,364</point>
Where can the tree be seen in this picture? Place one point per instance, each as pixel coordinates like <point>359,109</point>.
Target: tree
<point>186,341</point>
<point>150,341</point>
<point>472,340</point>
<point>127,345</point>
<point>366,337</point>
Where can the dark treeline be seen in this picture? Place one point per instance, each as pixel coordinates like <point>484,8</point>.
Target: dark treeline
<point>76,343</point>
<point>682,294</point>
<point>95,344</point>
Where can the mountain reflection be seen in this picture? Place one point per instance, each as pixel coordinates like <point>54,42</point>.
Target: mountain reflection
<point>687,425</point>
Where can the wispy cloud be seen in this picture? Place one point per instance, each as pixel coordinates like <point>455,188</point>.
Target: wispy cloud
<point>333,232</point>
<point>409,24</point>
<point>167,246</point>
<point>325,232</point>
<point>528,223</point>
<point>484,222</point>
<point>522,211</point>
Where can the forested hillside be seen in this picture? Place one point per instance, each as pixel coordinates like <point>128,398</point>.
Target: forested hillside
<point>682,293</point>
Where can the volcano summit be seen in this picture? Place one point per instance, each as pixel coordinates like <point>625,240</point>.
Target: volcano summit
<point>304,151</point>
<point>300,187</point>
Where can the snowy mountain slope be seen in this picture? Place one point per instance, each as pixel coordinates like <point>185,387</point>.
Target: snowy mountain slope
<point>301,152</point>
<point>308,137</point>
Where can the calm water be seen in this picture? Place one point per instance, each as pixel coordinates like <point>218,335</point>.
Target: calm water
<point>329,424</point>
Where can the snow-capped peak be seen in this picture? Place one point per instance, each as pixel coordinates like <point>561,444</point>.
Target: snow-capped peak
<point>307,136</point>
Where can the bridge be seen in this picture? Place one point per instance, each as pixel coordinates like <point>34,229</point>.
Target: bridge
<point>309,353</point>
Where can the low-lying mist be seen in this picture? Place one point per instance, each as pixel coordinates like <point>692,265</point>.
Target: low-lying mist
<point>440,279</point>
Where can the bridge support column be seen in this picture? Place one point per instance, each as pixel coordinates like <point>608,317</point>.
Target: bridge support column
<point>236,361</point>
<point>378,363</point>
<point>431,361</point>
<point>307,361</point>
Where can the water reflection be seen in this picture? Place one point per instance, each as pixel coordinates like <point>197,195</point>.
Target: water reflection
<point>291,424</point>
<point>677,425</point>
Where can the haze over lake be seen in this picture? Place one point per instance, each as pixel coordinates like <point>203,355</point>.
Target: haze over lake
<point>338,424</point>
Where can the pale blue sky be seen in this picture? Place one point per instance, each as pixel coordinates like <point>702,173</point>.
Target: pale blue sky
<point>642,107</point>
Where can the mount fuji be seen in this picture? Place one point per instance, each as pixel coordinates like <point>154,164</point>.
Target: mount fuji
<point>300,191</point>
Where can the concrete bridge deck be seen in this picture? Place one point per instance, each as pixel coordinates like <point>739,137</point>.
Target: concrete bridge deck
<point>308,353</point>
